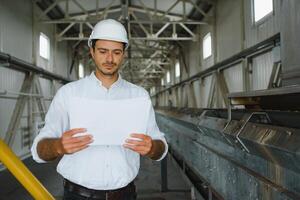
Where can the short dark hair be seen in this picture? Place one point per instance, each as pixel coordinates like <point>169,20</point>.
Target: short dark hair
<point>95,40</point>
<point>94,43</point>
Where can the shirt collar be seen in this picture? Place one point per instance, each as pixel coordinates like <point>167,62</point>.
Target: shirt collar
<point>118,82</point>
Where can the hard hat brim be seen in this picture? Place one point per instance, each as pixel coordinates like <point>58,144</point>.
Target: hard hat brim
<point>107,38</point>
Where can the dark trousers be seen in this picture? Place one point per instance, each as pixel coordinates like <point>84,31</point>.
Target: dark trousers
<point>71,196</point>
<point>128,193</point>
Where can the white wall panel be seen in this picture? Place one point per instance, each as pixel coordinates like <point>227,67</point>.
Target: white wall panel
<point>62,61</point>
<point>10,79</point>
<point>179,94</point>
<point>196,86</point>
<point>19,37</point>
<point>6,110</point>
<point>229,30</point>
<point>174,98</point>
<point>16,28</point>
<point>255,33</point>
<point>234,78</point>
<point>262,69</point>
<point>47,89</point>
<point>207,62</point>
<point>1,26</point>
<point>193,57</point>
<point>204,91</point>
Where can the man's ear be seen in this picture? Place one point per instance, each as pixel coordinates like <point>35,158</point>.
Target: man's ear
<point>92,52</point>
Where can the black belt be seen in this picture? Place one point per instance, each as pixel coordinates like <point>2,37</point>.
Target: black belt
<point>98,194</point>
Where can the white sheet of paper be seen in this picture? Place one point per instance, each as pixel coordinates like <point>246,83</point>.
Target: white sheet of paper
<point>110,121</point>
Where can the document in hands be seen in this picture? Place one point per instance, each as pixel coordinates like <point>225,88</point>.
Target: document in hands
<point>110,121</point>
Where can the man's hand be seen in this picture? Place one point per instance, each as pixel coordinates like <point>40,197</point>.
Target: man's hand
<point>52,148</point>
<point>69,143</point>
<point>144,145</point>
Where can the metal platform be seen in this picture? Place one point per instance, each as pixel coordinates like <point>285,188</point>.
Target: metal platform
<point>283,98</point>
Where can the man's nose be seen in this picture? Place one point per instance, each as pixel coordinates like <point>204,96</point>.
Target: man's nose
<point>109,57</point>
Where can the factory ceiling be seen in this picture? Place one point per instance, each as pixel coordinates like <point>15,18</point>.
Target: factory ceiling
<point>154,28</point>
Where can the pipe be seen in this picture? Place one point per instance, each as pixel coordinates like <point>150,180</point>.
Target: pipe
<point>21,65</point>
<point>22,173</point>
<point>5,92</point>
<point>243,54</point>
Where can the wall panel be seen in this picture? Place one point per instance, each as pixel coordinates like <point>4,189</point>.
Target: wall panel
<point>234,78</point>
<point>255,33</point>
<point>261,71</point>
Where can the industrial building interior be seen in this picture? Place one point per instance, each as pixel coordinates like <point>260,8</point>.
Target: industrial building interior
<point>223,77</point>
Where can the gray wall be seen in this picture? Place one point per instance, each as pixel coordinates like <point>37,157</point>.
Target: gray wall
<point>19,37</point>
<point>290,23</point>
<point>229,38</point>
<point>232,31</point>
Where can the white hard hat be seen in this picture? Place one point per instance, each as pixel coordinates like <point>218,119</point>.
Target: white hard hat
<point>109,29</point>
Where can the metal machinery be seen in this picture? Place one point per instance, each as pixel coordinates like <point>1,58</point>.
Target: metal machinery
<point>251,149</point>
<point>248,153</point>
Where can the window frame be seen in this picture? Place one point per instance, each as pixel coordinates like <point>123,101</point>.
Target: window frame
<point>152,90</point>
<point>168,77</point>
<point>80,65</point>
<point>203,40</point>
<point>162,82</point>
<point>44,36</point>
<point>177,71</point>
<point>264,18</point>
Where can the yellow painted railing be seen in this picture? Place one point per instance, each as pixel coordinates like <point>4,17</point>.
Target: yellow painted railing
<point>22,173</point>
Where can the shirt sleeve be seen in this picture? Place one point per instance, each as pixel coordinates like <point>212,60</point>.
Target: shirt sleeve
<point>154,132</point>
<point>56,122</point>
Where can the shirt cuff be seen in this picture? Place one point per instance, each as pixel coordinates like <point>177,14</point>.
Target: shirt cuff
<point>166,148</point>
<point>34,153</point>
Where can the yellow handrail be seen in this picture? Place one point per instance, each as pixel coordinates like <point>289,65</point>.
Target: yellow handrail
<point>22,173</point>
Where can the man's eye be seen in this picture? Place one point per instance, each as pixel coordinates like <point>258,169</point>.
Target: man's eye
<point>117,52</point>
<point>102,52</point>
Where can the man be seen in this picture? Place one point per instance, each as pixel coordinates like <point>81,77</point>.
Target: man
<point>98,172</point>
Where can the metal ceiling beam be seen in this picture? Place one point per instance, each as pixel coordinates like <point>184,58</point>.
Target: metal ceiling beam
<point>164,38</point>
<point>155,12</point>
<point>89,19</point>
<point>66,21</point>
<point>197,8</point>
<point>48,9</point>
<point>81,19</point>
<point>146,40</point>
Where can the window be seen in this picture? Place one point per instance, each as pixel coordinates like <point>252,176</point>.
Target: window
<point>262,8</point>
<point>177,69</point>
<point>207,46</point>
<point>152,90</point>
<point>80,70</point>
<point>44,46</point>
<point>168,77</point>
<point>162,82</point>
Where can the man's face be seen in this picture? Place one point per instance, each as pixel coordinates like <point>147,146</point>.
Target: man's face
<point>108,56</point>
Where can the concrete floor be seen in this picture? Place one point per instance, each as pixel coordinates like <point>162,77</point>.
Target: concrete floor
<point>148,182</point>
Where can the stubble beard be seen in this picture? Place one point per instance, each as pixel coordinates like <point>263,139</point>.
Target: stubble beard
<point>111,73</point>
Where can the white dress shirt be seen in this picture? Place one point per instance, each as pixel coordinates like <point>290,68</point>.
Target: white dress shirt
<point>96,167</point>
